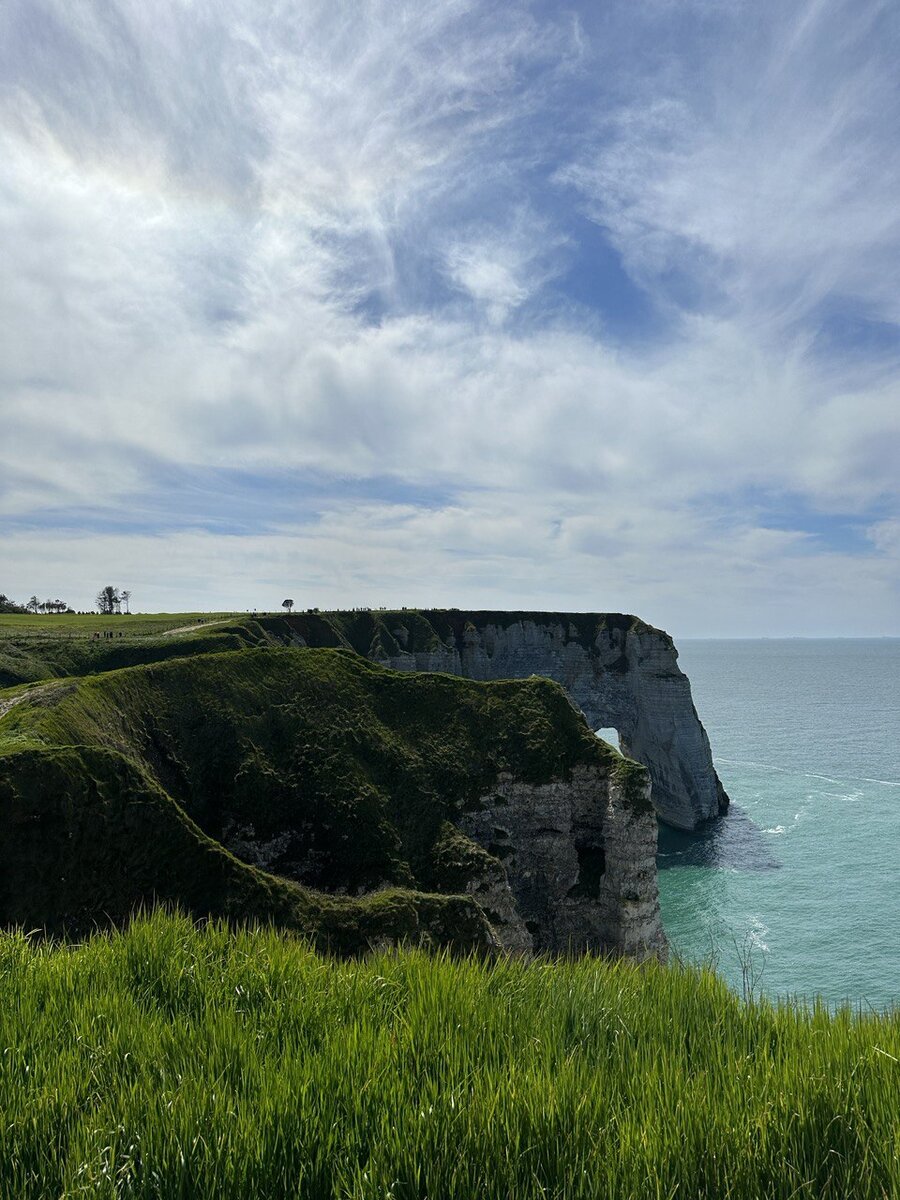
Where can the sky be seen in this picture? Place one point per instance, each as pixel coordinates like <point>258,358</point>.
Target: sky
<point>499,305</point>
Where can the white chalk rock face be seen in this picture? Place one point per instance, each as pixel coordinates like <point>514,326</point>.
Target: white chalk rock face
<point>579,856</point>
<point>621,673</point>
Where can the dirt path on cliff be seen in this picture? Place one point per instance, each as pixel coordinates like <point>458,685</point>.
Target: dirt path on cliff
<point>196,625</point>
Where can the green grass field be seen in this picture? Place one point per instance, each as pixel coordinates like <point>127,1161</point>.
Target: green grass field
<point>175,1062</point>
<point>80,624</point>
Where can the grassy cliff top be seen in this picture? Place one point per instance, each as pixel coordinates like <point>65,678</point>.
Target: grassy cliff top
<point>67,624</point>
<point>119,787</point>
<point>46,646</point>
<point>261,695</point>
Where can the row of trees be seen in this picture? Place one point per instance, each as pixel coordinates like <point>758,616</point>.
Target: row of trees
<point>33,605</point>
<point>46,606</point>
<point>110,600</point>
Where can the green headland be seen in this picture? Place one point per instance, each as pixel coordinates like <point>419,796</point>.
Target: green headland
<point>342,1023</point>
<point>118,785</point>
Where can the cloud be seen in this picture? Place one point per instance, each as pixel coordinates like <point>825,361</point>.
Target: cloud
<point>501,268</point>
<point>187,246</point>
<point>763,184</point>
<point>886,536</point>
<point>319,255</point>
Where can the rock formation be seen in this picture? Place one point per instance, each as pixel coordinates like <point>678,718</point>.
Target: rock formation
<point>579,864</point>
<point>621,672</point>
<point>314,789</point>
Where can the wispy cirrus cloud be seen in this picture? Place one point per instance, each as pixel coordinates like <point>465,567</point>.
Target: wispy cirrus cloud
<point>764,181</point>
<point>307,289</point>
<point>501,269</point>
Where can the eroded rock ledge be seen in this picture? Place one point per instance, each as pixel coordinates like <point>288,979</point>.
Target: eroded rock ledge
<point>621,672</point>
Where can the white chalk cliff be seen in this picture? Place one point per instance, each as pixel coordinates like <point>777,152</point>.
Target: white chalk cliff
<point>622,674</point>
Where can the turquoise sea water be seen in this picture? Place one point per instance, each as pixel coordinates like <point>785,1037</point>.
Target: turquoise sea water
<point>797,890</point>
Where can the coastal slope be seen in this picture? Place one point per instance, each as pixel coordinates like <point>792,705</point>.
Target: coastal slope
<point>315,789</point>
<point>621,672</point>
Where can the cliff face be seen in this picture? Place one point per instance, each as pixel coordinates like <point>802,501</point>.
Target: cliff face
<point>312,788</point>
<point>580,864</point>
<point>621,673</point>
<point>618,670</point>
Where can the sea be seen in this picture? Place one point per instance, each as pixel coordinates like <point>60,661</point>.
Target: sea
<point>796,892</point>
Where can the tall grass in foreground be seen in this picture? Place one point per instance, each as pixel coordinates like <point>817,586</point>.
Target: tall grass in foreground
<point>175,1062</point>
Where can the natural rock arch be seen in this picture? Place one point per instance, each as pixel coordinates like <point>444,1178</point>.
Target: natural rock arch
<point>621,673</point>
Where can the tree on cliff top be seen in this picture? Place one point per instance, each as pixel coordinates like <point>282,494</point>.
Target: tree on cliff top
<point>108,600</point>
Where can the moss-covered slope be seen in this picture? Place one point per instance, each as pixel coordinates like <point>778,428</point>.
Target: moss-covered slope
<point>119,788</point>
<point>25,658</point>
<point>86,838</point>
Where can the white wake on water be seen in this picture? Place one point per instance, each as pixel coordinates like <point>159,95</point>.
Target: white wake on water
<point>746,762</point>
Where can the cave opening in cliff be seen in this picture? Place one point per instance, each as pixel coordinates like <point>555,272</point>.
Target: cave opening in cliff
<point>591,851</point>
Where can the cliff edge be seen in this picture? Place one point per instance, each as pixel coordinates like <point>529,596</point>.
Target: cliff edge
<point>316,790</point>
<point>622,674</point>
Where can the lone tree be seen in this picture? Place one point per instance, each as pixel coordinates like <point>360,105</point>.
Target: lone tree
<point>125,597</point>
<point>288,604</point>
<point>108,600</point>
